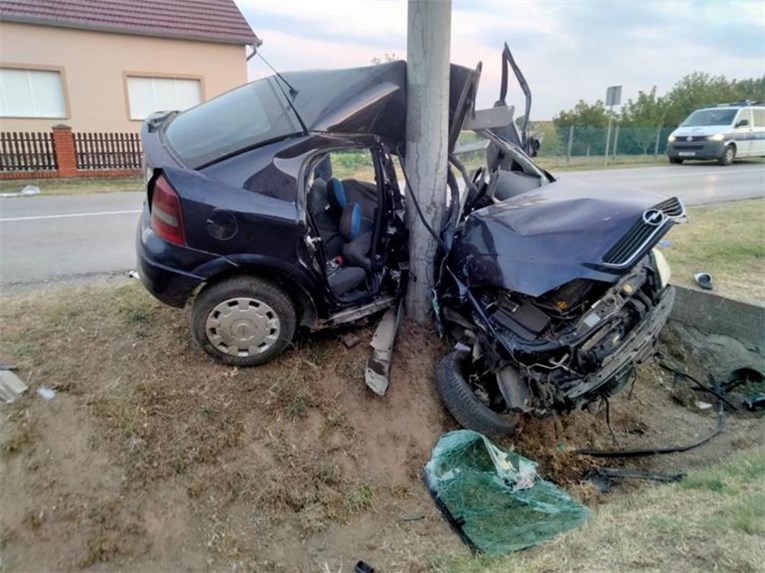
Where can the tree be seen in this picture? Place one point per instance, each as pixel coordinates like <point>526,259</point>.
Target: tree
<point>387,57</point>
<point>590,123</point>
<point>639,120</point>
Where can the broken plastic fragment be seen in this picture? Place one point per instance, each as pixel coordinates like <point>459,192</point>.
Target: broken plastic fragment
<point>704,280</point>
<point>46,393</point>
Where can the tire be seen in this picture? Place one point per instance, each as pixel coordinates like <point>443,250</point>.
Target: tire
<point>463,404</point>
<point>675,161</point>
<point>729,155</point>
<point>262,316</point>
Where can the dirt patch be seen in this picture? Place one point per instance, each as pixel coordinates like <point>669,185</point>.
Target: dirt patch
<point>151,456</point>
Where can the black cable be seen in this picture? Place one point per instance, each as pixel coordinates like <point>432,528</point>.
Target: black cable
<point>413,195</point>
<point>698,385</point>
<point>673,449</point>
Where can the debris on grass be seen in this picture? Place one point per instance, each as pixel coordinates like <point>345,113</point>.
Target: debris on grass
<point>11,386</point>
<point>494,499</point>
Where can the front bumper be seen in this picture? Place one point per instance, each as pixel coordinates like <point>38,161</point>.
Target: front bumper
<point>695,149</point>
<point>637,347</point>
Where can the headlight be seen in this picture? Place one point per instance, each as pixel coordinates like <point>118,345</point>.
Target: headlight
<point>716,137</point>
<point>665,273</point>
<point>671,138</point>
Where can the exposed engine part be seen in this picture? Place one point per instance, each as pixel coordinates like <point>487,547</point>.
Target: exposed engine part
<point>567,298</point>
<point>525,319</point>
<point>514,390</point>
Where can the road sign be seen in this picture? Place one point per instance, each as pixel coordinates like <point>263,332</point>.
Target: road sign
<point>614,95</point>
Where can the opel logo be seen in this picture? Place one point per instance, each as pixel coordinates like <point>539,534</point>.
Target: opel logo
<point>654,217</point>
<point>689,138</point>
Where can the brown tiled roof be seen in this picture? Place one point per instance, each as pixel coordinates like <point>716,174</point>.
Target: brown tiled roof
<point>207,20</point>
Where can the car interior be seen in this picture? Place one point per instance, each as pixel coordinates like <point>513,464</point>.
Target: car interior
<point>343,200</point>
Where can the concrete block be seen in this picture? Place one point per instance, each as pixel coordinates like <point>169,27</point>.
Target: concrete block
<point>714,314</point>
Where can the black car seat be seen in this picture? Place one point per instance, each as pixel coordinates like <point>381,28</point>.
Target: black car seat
<point>352,274</point>
<point>326,218</point>
<point>365,194</point>
<point>358,241</point>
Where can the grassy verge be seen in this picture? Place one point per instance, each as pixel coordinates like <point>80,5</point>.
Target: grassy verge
<point>74,185</point>
<point>712,521</point>
<point>726,240</point>
<point>559,163</point>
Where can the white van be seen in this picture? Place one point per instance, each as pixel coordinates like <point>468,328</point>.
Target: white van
<point>723,132</point>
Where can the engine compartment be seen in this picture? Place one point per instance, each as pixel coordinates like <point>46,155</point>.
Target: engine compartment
<point>555,343</point>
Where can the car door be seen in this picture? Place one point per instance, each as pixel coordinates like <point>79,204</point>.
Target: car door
<point>743,133</point>
<point>758,132</point>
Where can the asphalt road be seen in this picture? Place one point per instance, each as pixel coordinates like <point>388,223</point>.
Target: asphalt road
<point>49,238</point>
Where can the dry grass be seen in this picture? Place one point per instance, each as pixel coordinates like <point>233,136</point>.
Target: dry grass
<point>726,240</point>
<point>73,185</point>
<point>258,459</point>
<point>153,457</point>
<point>713,521</point>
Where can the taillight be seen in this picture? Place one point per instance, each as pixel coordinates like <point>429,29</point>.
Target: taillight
<point>166,216</point>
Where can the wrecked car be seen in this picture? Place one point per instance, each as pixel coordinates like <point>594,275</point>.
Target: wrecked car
<point>280,205</point>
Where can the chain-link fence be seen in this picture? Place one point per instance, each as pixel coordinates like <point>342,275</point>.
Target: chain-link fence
<point>585,141</point>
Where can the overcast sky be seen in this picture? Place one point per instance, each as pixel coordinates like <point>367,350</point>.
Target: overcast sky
<point>568,50</point>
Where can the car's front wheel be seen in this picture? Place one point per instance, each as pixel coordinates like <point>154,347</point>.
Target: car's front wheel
<point>460,399</point>
<point>243,321</point>
<point>728,156</point>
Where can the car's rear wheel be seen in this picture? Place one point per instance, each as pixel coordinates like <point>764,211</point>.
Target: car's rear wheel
<point>461,401</point>
<point>728,156</point>
<point>675,160</point>
<point>243,321</point>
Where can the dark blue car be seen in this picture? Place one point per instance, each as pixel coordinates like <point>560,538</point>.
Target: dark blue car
<point>280,205</point>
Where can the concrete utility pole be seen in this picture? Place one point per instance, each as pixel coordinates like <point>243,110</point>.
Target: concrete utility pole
<point>427,126</point>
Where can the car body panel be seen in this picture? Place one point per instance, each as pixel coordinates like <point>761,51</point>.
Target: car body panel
<point>544,238</point>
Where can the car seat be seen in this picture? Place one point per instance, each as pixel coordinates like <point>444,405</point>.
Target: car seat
<point>356,262</point>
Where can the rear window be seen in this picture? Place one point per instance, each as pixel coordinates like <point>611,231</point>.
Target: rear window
<point>242,118</point>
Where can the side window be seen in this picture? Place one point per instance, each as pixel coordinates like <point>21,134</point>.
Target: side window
<point>352,164</point>
<point>355,169</point>
<point>759,117</point>
<point>744,115</point>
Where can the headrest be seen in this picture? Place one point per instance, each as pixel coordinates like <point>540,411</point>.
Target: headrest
<point>350,221</point>
<point>336,195</point>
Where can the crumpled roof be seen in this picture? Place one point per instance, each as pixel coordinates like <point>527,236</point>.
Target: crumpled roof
<point>206,20</point>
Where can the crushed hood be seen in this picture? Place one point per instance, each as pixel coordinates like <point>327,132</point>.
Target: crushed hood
<point>366,100</point>
<point>543,239</point>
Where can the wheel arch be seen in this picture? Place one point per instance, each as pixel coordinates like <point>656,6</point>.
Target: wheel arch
<point>306,308</point>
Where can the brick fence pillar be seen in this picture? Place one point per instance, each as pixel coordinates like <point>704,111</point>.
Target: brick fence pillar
<point>66,158</point>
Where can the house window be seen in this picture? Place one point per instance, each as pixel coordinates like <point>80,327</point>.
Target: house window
<point>31,93</point>
<point>147,95</point>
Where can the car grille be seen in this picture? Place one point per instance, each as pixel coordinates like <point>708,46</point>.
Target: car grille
<point>684,138</point>
<point>682,146</point>
<point>672,207</point>
<point>638,238</point>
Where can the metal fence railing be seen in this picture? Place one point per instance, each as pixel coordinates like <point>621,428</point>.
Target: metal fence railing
<point>27,152</point>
